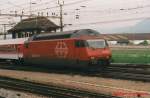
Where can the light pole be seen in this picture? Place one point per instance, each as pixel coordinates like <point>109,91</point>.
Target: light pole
<point>4,31</point>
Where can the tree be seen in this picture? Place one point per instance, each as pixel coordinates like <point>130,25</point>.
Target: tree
<point>145,43</point>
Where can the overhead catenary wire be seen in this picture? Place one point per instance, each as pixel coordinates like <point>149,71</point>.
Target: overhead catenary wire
<point>76,2</point>
<point>121,20</point>
<point>111,21</point>
<point>66,4</point>
<point>112,11</point>
<point>38,5</point>
<point>22,4</point>
<point>26,8</point>
<point>106,11</point>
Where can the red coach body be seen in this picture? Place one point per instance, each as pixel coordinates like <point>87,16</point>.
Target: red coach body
<point>10,49</point>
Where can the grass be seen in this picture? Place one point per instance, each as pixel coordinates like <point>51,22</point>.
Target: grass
<point>138,56</point>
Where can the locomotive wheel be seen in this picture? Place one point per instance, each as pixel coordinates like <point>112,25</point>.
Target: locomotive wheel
<point>106,62</point>
<point>20,61</point>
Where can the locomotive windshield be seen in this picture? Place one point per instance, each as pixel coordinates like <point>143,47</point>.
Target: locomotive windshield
<point>96,43</point>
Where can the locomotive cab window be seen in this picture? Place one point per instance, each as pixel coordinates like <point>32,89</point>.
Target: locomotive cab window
<point>81,43</point>
<point>97,43</point>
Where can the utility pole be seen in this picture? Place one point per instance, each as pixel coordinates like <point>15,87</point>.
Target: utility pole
<point>4,31</point>
<point>61,15</point>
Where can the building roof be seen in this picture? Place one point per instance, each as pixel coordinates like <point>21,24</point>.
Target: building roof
<point>129,36</point>
<point>31,24</point>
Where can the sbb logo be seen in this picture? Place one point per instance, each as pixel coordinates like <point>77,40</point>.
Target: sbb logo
<point>61,49</point>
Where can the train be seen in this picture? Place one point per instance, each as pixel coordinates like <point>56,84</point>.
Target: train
<point>74,48</point>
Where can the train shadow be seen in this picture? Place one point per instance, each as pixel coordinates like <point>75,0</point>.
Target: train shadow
<point>90,72</point>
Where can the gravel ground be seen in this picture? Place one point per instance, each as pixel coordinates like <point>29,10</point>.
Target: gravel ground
<point>14,94</point>
<point>102,85</point>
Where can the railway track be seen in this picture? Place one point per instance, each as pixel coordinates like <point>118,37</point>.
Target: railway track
<point>132,72</point>
<point>48,90</point>
<point>117,71</point>
<point>128,72</point>
<point>130,65</point>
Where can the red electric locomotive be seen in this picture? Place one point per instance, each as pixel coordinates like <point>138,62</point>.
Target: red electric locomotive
<point>74,48</point>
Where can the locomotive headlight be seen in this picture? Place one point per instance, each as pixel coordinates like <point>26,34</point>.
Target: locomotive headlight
<point>92,58</point>
<point>107,57</point>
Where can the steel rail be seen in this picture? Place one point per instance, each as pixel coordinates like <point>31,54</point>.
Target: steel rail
<point>130,65</point>
<point>48,90</point>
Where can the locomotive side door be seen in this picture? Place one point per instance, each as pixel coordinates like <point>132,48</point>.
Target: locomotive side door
<point>79,50</point>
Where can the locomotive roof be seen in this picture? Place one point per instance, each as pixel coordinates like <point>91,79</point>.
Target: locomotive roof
<point>13,41</point>
<point>66,34</point>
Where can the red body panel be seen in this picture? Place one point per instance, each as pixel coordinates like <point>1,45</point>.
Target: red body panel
<point>62,51</point>
<point>50,49</point>
<point>103,53</point>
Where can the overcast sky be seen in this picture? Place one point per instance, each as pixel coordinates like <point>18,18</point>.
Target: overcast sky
<point>94,14</point>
